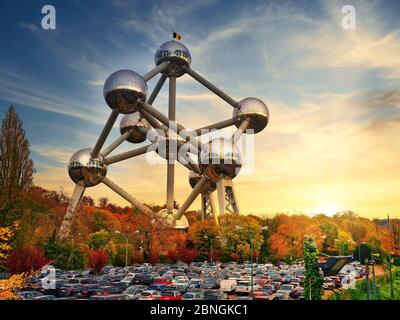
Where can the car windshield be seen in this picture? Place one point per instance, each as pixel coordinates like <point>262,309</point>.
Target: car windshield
<point>243,283</point>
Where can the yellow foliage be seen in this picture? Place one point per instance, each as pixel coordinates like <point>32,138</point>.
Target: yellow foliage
<point>5,235</point>
<point>9,286</point>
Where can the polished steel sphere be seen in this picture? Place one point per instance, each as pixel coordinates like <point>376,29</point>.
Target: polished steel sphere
<point>82,169</point>
<point>176,54</point>
<point>181,224</point>
<point>220,159</point>
<point>255,110</point>
<point>194,179</point>
<point>122,90</point>
<point>138,126</point>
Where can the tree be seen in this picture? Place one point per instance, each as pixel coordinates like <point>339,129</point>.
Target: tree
<point>65,256</point>
<point>314,280</point>
<point>103,202</point>
<point>16,166</point>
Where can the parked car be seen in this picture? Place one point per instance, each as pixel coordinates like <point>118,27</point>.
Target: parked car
<point>261,295</point>
<point>44,297</point>
<point>297,293</point>
<point>29,295</point>
<point>285,289</point>
<point>171,295</point>
<point>228,285</point>
<point>110,297</point>
<point>193,296</point>
<point>150,295</point>
<point>245,287</point>
<point>214,295</point>
<point>108,290</point>
<point>134,291</point>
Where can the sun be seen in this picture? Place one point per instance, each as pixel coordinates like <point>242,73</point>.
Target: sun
<point>328,209</point>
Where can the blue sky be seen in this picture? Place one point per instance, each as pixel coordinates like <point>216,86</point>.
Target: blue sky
<point>333,93</point>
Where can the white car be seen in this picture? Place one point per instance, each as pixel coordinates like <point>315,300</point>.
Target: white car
<point>245,287</point>
<point>150,295</point>
<point>228,285</point>
<point>180,279</point>
<point>285,289</point>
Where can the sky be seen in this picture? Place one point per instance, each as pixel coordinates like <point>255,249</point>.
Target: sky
<point>332,142</point>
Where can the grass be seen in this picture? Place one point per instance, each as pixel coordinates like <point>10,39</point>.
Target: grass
<point>383,289</point>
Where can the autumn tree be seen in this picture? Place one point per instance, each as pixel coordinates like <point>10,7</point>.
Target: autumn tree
<point>16,166</point>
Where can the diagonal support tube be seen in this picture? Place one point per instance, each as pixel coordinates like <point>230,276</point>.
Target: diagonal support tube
<point>73,205</point>
<point>178,128</point>
<point>127,155</point>
<point>196,191</point>
<point>211,87</point>
<point>152,73</point>
<point>116,143</point>
<point>156,89</point>
<point>239,132</point>
<point>214,126</point>
<point>126,196</point>
<point>104,134</point>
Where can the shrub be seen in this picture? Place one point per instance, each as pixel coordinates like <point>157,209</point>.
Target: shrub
<point>97,259</point>
<point>26,259</point>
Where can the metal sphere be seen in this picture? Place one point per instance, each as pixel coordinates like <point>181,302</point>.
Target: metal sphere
<point>181,224</point>
<point>194,179</point>
<point>254,109</point>
<point>220,159</point>
<point>176,54</point>
<point>122,90</point>
<point>136,123</point>
<point>82,169</point>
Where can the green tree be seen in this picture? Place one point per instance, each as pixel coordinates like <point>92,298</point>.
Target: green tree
<point>313,281</point>
<point>65,256</point>
<point>16,167</point>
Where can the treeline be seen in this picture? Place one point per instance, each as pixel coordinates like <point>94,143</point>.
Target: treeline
<point>101,233</point>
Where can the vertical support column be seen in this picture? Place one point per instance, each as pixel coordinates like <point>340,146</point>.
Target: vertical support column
<point>171,145</point>
<point>208,209</point>
<point>227,200</point>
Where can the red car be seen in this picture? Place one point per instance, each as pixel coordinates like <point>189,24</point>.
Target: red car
<point>171,295</point>
<point>162,281</point>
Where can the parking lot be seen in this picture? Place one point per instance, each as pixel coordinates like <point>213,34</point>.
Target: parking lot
<point>196,281</point>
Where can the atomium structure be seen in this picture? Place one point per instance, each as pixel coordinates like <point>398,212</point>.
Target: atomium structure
<point>215,164</point>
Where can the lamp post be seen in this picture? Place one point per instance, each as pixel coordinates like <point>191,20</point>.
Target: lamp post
<point>126,246</point>
<point>367,279</point>
<point>374,288</point>
<point>251,235</point>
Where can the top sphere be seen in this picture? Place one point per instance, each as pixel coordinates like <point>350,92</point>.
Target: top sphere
<point>122,89</point>
<point>83,169</point>
<point>176,54</point>
<point>254,109</point>
<point>220,159</point>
